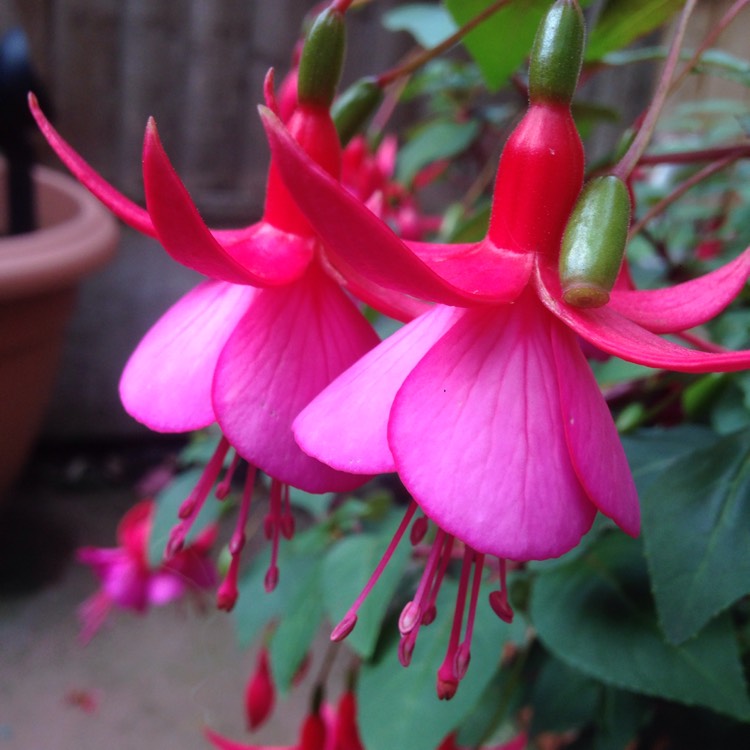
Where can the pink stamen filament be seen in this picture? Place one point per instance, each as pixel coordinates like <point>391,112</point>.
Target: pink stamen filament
<point>350,618</point>
<point>499,599</point>
<point>412,613</point>
<point>191,507</point>
<point>430,610</point>
<point>463,656</point>
<point>448,679</point>
<point>222,489</point>
<point>272,528</point>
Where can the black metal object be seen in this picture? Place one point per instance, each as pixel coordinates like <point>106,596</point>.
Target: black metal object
<point>17,78</point>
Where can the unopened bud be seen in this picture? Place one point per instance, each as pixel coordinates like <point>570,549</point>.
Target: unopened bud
<point>557,54</point>
<point>321,60</point>
<point>594,242</point>
<point>354,107</point>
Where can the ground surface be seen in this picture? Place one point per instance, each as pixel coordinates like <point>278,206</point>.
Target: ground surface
<point>145,683</point>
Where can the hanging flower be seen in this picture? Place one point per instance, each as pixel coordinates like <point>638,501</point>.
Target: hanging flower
<point>129,581</point>
<point>485,405</point>
<point>250,347</point>
<point>260,693</point>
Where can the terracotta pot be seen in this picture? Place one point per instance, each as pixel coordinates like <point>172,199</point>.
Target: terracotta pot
<point>39,273</point>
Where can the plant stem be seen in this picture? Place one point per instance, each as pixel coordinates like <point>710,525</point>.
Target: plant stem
<point>646,131</point>
<point>419,60</point>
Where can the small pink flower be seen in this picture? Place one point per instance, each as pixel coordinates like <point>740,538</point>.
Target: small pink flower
<point>129,581</point>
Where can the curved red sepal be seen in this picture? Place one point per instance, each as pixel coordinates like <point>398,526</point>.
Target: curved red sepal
<point>357,239</point>
<point>685,305</point>
<point>261,255</point>
<point>612,332</point>
<point>131,213</point>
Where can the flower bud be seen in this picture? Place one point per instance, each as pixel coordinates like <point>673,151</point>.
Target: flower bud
<point>260,694</point>
<point>594,242</point>
<point>353,108</point>
<point>557,54</point>
<point>321,60</point>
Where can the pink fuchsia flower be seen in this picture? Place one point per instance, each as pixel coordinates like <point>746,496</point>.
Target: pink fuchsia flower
<point>485,405</point>
<point>253,345</point>
<point>129,581</point>
<point>260,693</point>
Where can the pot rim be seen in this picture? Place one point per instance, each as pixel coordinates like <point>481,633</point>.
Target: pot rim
<point>59,254</point>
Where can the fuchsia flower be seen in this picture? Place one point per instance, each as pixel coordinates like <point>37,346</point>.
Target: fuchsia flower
<point>129,581</point>
<point>485,405</point>
<point>250,347</point>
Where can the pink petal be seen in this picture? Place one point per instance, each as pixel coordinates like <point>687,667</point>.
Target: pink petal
<point>595,448</point>
<point>611,332</point>
<point>167,381</point>
<point>686,305</point>
<point>131,213</point>
<point>165,587</point>
<point>355,238</point>
<point>293,344</point>
<point>476,432</point>
<point>346,425</point>
<point>261,256</point>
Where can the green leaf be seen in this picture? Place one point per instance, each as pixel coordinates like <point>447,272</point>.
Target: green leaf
<point>621,715</point>
<point>399,707</point>
<point>596,615</point>
<point>651,451</point>
<point>438,140</point>
<point>623,21</point>
<point>347,568</point>
<point>562,698</point>
<point>428,24</point>
<point>696,528</point>
<point>168,502</point>
<point>500,44</point>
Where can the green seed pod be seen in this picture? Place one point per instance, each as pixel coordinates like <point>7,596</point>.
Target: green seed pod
<point>322,58</point>
<point>557,54</point>
<point>594,242</point>
<point>353,108</point>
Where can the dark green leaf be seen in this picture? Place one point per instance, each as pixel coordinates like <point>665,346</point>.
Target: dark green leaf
<point>696,528</point>
<point>596,614</point>
<point>562,698</point>
<point>438,140</point>
<point>621,715</point>
<point>347,568</point>
<point>623,21</point>
<point>428,24</point>
<point>399,707</point>
<point>651,451</point>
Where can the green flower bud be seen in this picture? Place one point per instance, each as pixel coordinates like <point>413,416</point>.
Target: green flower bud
<point>322,58</point>
<point>557,54</point>
<point>353,108</point>
<point>594,242</point>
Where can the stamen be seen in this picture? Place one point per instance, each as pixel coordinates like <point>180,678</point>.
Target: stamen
<point>412,613</point>
<point>228,592</point>
<point>430,611</point>
<point>222,489</point>
<point>191,507</point>
<point>272,527</point>
<point>350,618</point>
<point>447,680</point>
<point>499,599</point>
<point>418,530</point>
<point>463,655</point>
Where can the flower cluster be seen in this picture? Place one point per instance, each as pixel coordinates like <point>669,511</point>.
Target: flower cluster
<point>483,403</point>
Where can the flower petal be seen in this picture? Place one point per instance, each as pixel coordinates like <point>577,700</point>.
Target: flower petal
<point>611,332</point>
<point>346,425</point>
<point>355,238</point>
<point>477,437</point>
<point>167,381</point>
<point>131,213</point>
<point>595,448</point>
<point>261,256</point>
<point>686,305</point>
<point>294,343</point>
